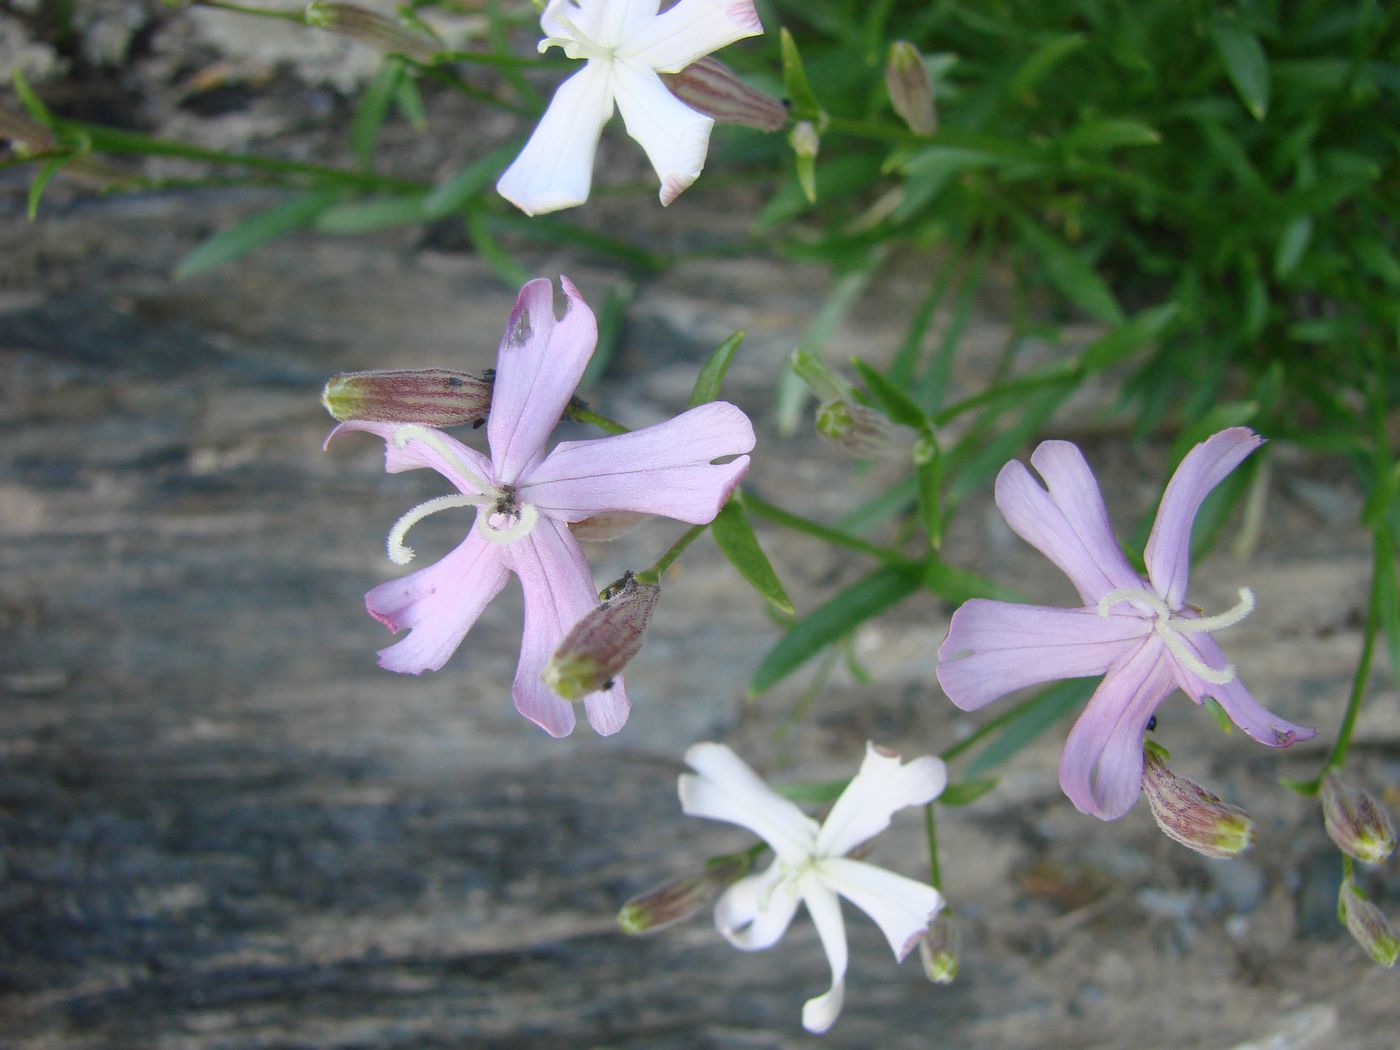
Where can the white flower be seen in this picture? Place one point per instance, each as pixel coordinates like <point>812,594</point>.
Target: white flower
<point>811,865</point>
<point>625,44</point>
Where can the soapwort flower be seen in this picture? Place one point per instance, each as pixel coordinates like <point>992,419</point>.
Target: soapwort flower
<point>1141,635</point>
<point>526,498</point>
<point>625,45</point>
<point>811,864</point>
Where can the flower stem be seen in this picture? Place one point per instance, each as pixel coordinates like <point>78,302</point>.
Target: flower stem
<point>297,16</point>
<point>581,413</point>
<point>653,575</point>
<point>935,875</point>
<point>1380,562</point>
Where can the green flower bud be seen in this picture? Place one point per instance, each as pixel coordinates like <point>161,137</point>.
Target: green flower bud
<point>370,27</point>
<point>1191,815</point>
<point>938,948</point>
<point>911,90</point>
<point>599,646</point>
<point>680,898</point>
<point>1356,821</point>
<point>860,431</point>
<point>1367,924</point>
<point>711,87</point>
<point>434,397</point>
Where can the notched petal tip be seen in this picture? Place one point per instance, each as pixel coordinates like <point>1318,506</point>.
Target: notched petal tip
<point>674,185</point>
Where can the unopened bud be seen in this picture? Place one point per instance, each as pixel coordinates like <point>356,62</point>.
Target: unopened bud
<point>1190,814</point>
<point>1367,924</point>
<point>711,87</point>
<point>911,90</point>
<point>434,397</point>
<point>938,948</point>
<point>370,27</point>
<point>607,526</point>
<point>598,647</point>
<point>1356,821</point>
<point>804,140</point>
<point>680,898</point>
<point>858,430</point>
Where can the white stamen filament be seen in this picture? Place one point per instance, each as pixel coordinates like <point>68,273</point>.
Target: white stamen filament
<point>439,444</point>
<point>1170,628</point>
<point>399,552</point>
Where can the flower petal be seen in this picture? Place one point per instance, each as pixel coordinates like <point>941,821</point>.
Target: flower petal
<point>1101,765</point>
<point>437,604</point>
<point>604,21</point>
<point>558,591</point>
<point>883,785</point>
<point>674,136</point>
<point>1068,523</point>
<point>437,453</point>
<point>1168,551</point>
<point>819,1014</point>
<point>754,912</point>
<point>663,469</point>
<point>538,366</point>
<point>1011,646</point>
<point>689,30</point>
<point>900,906</point>
<point>727,789</point>
<point>1254,720</point>
<point>555,169</point>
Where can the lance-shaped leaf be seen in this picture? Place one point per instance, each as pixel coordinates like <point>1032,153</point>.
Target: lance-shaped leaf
<point>735,538</point>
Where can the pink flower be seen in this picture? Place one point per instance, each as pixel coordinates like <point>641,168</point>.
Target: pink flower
<point>525,500</point>
<point>1139,634</point>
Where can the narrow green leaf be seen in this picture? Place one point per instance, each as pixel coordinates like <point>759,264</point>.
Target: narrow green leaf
<point>1292,245</point>
<point>32,103</point>
<point>831,621</point>
<point>505,265</point>
<point>961,585</point>
<point>1133,334</point>
<point>1052,705</point>
<point>1245,63</point>
<point>893,401</point>
<point>712,372</point>
<point>373,109</point>
<point>451,195</point>
<point>1097,136</point>
<point>1074,278</point>
<point>410,103</point>
<point>967,791</point>
<point>47,170</point>
<point>375,213</point>
<point>807,175</point>
<point>735,538</point>
<point>795,84</point>
<point>237,241</point>
<point>612,317</point>
<point>1042,60</point>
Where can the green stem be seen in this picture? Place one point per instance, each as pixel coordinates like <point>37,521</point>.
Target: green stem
<point>988,728</point>
<point>115,140</point>
<point>1338,756</point>
<point>867,129</point>
<point>581,413</point>
<point>797,523</point>
<point>653,575</point>
<point>935,875</point>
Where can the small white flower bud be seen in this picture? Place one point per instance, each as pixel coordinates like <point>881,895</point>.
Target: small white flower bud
<point>1356,821</point>
<point>680,898</point>
<point>1367,924</point>
<point>434,397</point>
<point>804,140</point>
<point>911,90</point>
<point>711,87</point>
<point>370,27</point>
<point>1190,814</point>
<point>939,947</point>
<point>599,646</point>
